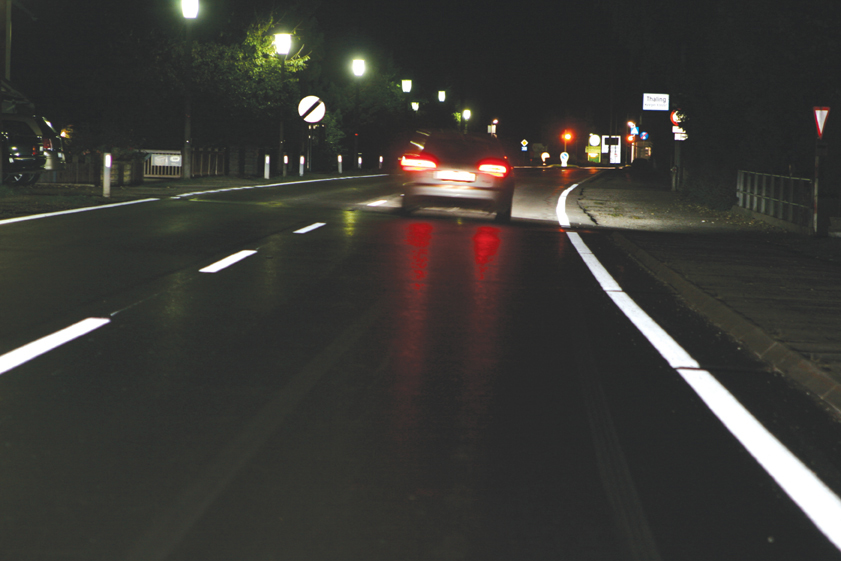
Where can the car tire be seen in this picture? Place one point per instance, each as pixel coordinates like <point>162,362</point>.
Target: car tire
<point>503,213</point>
<point>408,204</point>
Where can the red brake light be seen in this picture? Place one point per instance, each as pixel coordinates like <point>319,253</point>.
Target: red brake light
<point>413,162</point>
<point>496,168</point>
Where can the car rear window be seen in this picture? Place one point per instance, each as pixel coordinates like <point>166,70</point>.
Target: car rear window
<point>462,149</point>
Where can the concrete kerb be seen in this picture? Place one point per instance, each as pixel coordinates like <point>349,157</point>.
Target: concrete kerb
<point>783,359</point>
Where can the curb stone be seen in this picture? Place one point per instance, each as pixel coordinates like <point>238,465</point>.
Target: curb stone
<point>788,362</point>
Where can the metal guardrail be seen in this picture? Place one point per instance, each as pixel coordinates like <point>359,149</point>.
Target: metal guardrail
<point>783,197</point>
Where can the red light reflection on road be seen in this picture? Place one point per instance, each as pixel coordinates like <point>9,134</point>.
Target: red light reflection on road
<point>418,236</point>
<point>485,246</point>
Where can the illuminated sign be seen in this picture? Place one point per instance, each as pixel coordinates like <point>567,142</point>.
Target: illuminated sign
<point>655,102</point>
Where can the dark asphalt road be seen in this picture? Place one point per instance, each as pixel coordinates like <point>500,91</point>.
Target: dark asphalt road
<point>382,387</point>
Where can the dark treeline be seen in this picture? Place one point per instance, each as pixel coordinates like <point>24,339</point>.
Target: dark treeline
<point>746,74</point>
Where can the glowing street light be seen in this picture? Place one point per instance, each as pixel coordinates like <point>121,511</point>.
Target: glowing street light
<point>358,67</point>
<point>282,43</point>
<point>282,46</point>
<point>190,10</point>
<point>567,136</point>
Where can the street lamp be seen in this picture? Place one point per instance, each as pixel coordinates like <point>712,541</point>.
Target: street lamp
<point>282,46</point>
<point>358,67</point>
<point>190,10</point>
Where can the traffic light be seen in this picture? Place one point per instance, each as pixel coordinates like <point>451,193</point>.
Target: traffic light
<point>567,136</point>
<point>631,138</point>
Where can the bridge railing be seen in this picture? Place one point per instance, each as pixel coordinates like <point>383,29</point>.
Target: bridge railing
<point>782,197</point>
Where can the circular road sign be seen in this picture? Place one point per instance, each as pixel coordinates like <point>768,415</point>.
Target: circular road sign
<point>312,109</point>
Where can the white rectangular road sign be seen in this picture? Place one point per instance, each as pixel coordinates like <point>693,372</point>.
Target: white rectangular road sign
<point>655,102</point>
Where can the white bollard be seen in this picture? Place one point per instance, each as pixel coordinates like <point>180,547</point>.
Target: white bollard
<point>381,162</point>
<point>301,167</point>
<point>359,163</point>
<point>267,168</point>
<point>106,175</point>
<point>285,163</point>
<point>340,163</point>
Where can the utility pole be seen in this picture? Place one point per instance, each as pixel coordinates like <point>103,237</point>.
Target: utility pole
<point>6,58</point>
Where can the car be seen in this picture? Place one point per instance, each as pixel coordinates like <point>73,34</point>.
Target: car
<point>449,168</point>
<point>31,146</point>
<point>30,143</point>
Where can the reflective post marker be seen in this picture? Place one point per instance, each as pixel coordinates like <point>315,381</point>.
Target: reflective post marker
<point>266,169</point>
<point>301,167</point>
<point>340,163</point>
<point>106,175</point>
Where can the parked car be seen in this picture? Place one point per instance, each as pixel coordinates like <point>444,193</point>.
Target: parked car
<point>31,146</point>
<point>447,168</point>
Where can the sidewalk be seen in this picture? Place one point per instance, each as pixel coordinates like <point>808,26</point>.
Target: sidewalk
<point>778,293</point>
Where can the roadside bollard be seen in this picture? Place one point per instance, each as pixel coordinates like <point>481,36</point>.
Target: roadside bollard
<point>106,175</point>
<point>340,164</point>
<point>285,163</point>
<point>267,168</point>
<point>301,167</point>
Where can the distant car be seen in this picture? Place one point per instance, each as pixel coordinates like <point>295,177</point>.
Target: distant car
<point>31,146</point>
<point>446,168</point>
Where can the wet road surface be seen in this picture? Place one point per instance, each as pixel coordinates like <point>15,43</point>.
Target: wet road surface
<point>435,386</point>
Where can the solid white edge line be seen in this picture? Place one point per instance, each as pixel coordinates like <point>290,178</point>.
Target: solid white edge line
<point>560,210</point>
<point>310,228</point>
<point>71,211</point>
<point>817,501</point>
<point>228,261</point>
<point>36,348</point>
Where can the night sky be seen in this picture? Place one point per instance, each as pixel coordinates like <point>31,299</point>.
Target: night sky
<point>527,66</point>
<point>530,66</point>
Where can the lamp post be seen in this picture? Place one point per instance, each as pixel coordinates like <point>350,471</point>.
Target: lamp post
<point>190,10</point>
<point>358,67</point>
<point>282,46</point>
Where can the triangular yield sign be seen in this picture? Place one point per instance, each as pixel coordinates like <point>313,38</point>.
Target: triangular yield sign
<point>820,118</point>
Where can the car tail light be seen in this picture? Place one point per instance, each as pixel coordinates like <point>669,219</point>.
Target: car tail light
<point>494,167</point>
<point>414,162</point>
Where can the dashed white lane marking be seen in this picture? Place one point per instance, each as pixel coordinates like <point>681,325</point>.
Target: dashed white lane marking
<point>228,261</point>
<point>802,485</point>
<point>310,228</point>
